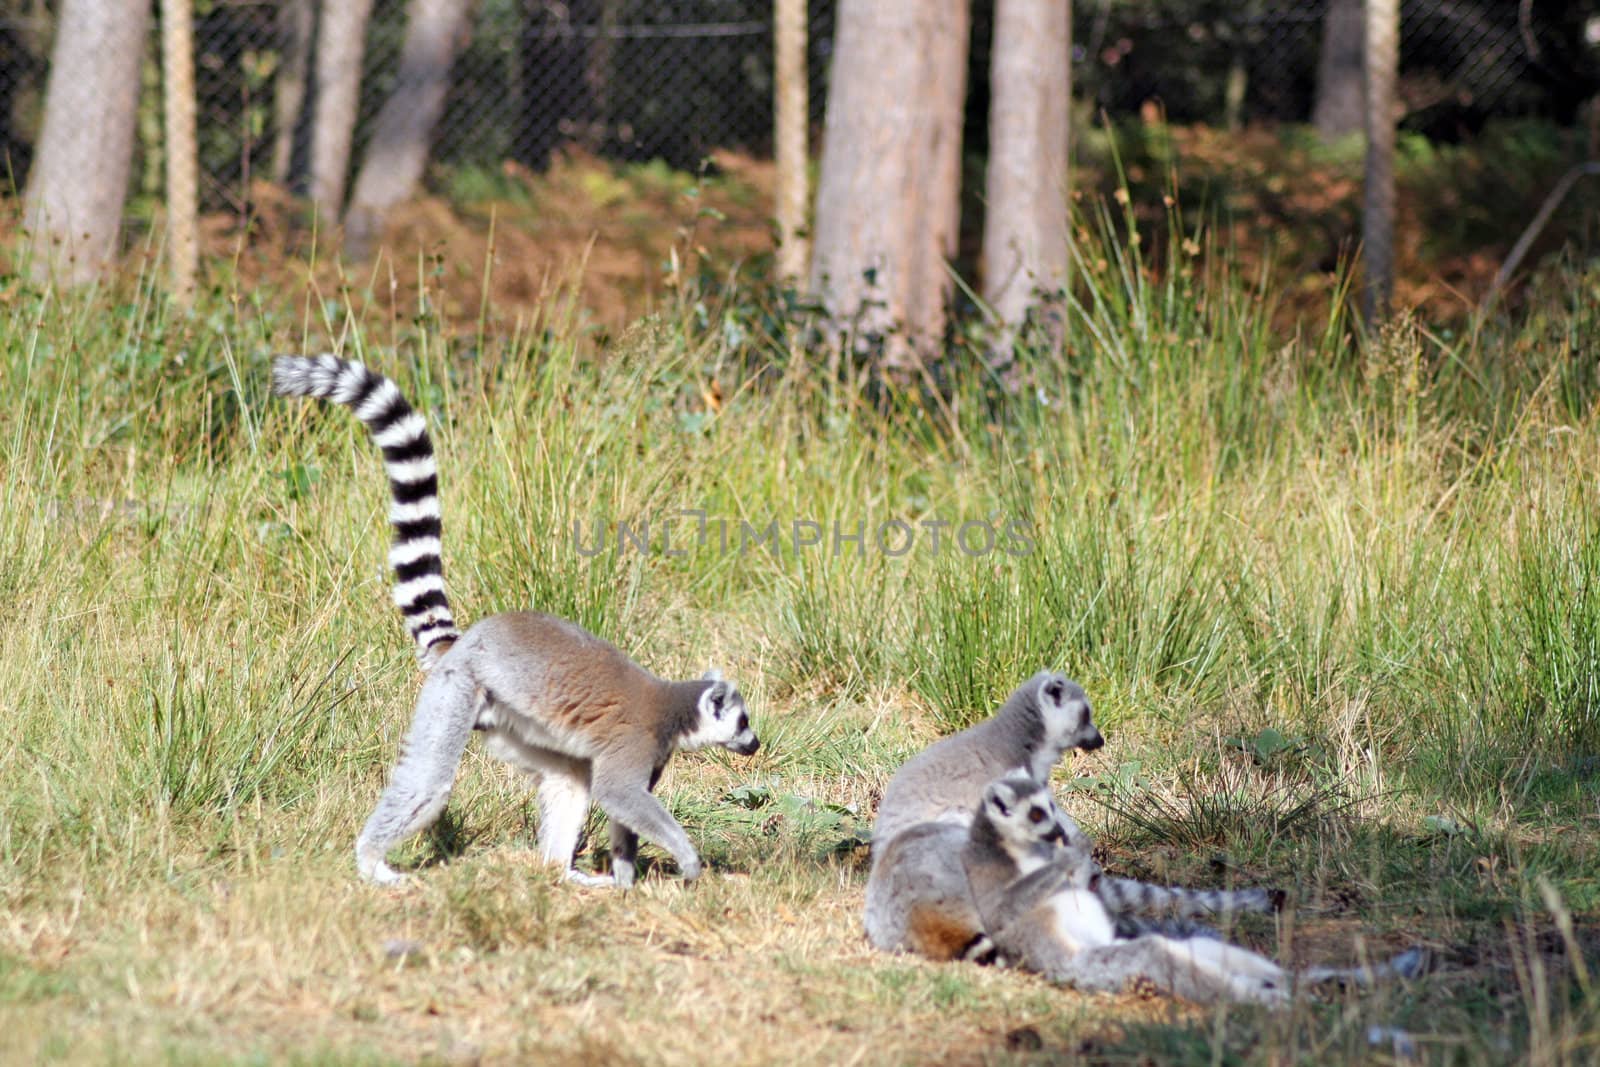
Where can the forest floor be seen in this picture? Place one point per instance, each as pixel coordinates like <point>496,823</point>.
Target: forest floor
<point>500,245</point>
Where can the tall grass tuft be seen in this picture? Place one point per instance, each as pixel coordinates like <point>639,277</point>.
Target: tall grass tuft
<point>1535,674</point>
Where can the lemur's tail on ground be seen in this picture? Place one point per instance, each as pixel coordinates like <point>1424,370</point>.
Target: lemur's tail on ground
<point>1414,962</point>
<point>402,434</point>
<point>1126,895</point>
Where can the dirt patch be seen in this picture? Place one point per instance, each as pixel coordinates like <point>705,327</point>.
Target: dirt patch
<point>614,239</point>
<point>604,242</point>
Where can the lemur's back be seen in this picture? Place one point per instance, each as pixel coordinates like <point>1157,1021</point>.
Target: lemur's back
<point>945,781</point>
<point>574,681</point>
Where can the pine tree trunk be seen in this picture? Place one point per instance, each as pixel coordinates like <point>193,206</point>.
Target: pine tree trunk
<point>178,110</point>
<point>888,197</point>
<point>73,205</point>
<point>790,119</point>
<point>340,46</point>
<point>403,132</point>
<point>1025,231</point>
<point>1337,111</point>
<point>1377,210</point>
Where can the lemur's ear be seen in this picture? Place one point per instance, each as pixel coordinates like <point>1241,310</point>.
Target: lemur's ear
<point>1055,689</point>
<point>717,694</point>
<point>1002,796</point>
<point>712,675</point>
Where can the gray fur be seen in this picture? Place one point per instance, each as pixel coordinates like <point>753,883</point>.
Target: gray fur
<point>1040,720</point>
<point>551,699</point>
<point>1135,907</point>
<point>558,703</point>
<point>917,896</point>
<point>1128,900</point>
<point>1128,895</point>
<point>918,899</point>
<point>1047,914</point>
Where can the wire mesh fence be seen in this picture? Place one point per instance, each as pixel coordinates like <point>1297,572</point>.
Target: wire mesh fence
<point>675,79</point>
<point>1259,60</point>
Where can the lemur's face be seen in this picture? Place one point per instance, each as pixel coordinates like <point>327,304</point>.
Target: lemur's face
<point>1034,831</point>
<point>1024,813</point>
<point>723,720</point>
<point>1068,719</point>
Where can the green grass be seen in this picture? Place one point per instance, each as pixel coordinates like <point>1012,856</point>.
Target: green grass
<point>1335,599</point>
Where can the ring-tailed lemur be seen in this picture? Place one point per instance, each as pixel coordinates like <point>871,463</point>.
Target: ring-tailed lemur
<point>918,899</point>
<point>922,899</point>
<point>1040,720</point>
<point>552,699</point>
<point>1041,899</point>
<point>917,896</point>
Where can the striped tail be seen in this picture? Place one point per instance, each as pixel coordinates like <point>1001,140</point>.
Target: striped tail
<point>414,513</point>
<point>982,951</point>
<point>1124,895</point>
<point>1414,962</point>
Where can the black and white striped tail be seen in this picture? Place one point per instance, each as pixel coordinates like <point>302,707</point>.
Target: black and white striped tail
<point>981,950</point>
<point>1124,895</point>
<point>402,434</point>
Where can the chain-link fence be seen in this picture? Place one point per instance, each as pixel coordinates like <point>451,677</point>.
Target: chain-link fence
<point>673,79</point>
<point>1232,61</point>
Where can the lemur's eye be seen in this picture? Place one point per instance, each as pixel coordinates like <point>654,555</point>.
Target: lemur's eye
<point>1036,815</point>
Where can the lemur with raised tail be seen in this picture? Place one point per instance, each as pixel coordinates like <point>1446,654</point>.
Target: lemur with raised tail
<point>1039,894</point>
<point>552,699</point>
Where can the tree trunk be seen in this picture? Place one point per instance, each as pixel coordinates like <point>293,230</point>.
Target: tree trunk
<point>1377,212</point>
<point>340,45</point>
<point>792,114</point>
<point>1338,107</point>
<point>296,23</point>
<point>73,205</point>
<point>403,132</point>
<point>888,197</point>
<point>1025,230</point>
<point>178,106</point>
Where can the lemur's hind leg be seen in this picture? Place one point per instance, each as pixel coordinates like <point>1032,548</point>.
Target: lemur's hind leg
<point>420,783</point>
<point>561,784</point>
<point>1412,963</point>
<point>563,807</point>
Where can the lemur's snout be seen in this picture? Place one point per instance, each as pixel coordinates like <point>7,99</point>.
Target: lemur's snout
<point>1056,836</point>
<point>1094,742</point>
<point>747,748</point>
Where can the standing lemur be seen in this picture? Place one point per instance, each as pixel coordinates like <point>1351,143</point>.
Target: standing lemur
<point>1042,901</point>
<point>551,699</point>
